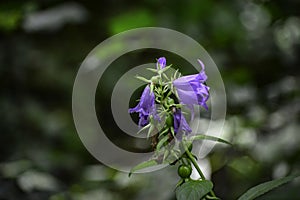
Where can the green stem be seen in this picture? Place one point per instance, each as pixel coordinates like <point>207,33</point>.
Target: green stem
<point>191,157</point>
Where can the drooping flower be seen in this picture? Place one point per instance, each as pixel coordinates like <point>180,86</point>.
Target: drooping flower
<point>180,124</point>
<point>192,89</point>
<point>161,63</point>
<point>146,106</point>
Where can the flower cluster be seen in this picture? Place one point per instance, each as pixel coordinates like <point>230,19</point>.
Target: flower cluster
<point>164,97</point>
<point>161,111</point>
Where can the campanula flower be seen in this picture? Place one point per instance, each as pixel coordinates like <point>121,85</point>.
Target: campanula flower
<point>161,63</point>
<point>180,124</point>
<point>192,89</point>
<point>146,106</point>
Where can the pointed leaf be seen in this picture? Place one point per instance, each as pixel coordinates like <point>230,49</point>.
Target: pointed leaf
<point>144,128</point>
<point>265,187</point>
<point>164,69</point>
<point>172,131</point>
<point>143,79</point>
<point>169,93</point>
<point>143,165</point>
<point>175,74</point>
<point>152,70</point>
<point>165,89</point>
<point>193,190</point>
<point>161,142</point>
<point>209,137</point>
<point>150,131</point>
<point>166,77</point>
<point>163,132</point>
<point>166,154</point>
<point>151,87</point>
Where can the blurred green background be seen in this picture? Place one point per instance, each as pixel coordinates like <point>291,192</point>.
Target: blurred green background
<point>255,44</point>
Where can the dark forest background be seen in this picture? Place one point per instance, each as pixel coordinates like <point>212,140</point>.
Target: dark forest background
<point>255,44</point>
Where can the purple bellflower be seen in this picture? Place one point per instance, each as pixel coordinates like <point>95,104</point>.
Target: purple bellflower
<point>146,106</point>
<point>161,63</point>
<point>180,124</point>
<point>192,89</point>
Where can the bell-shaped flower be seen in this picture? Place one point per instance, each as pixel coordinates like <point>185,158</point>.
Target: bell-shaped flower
<point>180,124</point>
<point>146,107</point>
<point>192,89</point>
<point>161,63</point>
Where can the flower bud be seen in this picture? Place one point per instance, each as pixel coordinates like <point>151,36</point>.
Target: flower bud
<point>171,101</point>
<point>184,171</point>
<point>169,120</point>
<point>155,79</point>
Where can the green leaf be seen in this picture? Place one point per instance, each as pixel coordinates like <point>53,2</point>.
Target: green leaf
<point>166,154</point>
<point>146,164</point>
<point>152,70</point>
<point>144,128</point>
<point>169,93</point>
<point>166,77</point>
<point>161,142</point>
<point>163,132</point>
<point>143,79</point>
<point>164,69</point>
<point>165,89</point>
<point>193,190</point>
<point>151,129</point>
<point>176,74</point>
<point>209,137</point>
<point>172,131</point>
<point>265,187</point>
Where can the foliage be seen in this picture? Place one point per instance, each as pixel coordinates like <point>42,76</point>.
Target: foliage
<point>193,190</point>
<point>265,187</point>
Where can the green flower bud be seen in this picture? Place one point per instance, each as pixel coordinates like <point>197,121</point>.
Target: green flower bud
<point>171,101</point>
<point>169,121</point>
<point>184,171</point>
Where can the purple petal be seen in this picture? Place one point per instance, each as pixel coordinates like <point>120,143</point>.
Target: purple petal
<point>192,90</point>
<point>180,124</point>
<point>145,107</point>
<point>161,63</point>
<point>201,63</point>
<point>184,80</point>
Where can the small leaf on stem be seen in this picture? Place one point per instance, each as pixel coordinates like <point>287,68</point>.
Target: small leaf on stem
<point>161,142</point>
<point>146,164</point>
<point>209,137</point>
